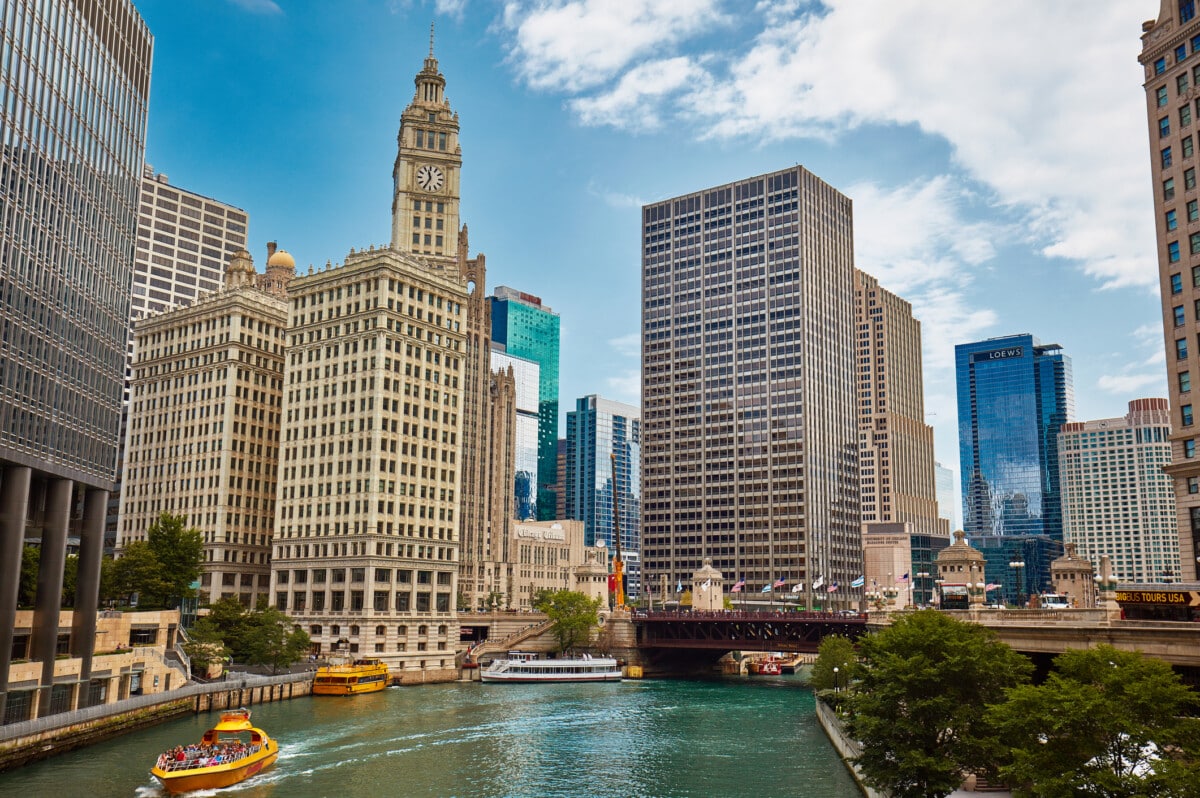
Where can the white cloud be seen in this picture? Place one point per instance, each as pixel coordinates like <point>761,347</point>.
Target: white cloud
<point>1126,384</point>
<point>450,8</point>
<point>1022,91</point>
<point>258,6</point>
<point>625,387</point>
<point>571,45</point>
<point>628,345</point>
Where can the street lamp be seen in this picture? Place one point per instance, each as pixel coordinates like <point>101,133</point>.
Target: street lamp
<point>1018,566</point>
<point>920,578</point>
<point>836,683</point>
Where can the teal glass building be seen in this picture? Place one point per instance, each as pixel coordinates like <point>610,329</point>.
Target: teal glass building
<point>604,446</point>
<point>1014,395</point>
<point>526,328</point>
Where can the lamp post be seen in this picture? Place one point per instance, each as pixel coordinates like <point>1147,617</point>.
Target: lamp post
<point>836,683</point>
<point>919,579</point>
<point>1106,582</point>
<point>937,592</point>
<point>1018,567</point>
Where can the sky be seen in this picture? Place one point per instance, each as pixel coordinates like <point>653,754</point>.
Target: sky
<point>996,153</point>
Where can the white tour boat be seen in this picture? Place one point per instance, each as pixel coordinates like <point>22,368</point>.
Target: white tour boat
<point>521,666</point>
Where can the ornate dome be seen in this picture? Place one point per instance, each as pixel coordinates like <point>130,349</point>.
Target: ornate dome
<point>281,257</point>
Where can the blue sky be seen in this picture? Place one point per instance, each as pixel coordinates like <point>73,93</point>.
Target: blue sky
<point>996,153</point>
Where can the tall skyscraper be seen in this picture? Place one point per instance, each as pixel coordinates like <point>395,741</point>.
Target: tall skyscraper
<point>1171,60</point>
<point>1014,395</point>
<point>597,431</point>
<point>526,328</point>
<point>1117,500</point>
<point>204,421</point>
<point>387,418</point>
<point>70,163</point>
<point>184,241</point>
<point>895,453</point>
<point>749,411</point>
<point>527,377</point>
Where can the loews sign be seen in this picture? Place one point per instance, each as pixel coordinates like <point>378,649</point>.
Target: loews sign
<point>998,354</point>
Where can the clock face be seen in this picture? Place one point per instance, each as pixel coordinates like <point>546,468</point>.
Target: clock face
<point>430,178</point>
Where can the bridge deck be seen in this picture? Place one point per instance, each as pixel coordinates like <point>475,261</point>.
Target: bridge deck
<point>744,631</point>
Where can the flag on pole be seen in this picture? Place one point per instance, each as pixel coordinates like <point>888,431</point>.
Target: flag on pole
<point>992,586</point>
<point>796,588</point>
<point>857,582</point>
<point>832,588</point>
<point>738,585</point>
<point>780,582</point>
<point>707,584</point>
<point>903,578</point>
<point>766,588</point>
<point>820,580</point>
<point>679,587</point>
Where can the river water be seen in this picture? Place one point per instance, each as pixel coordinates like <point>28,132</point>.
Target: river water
<point>663,738</point>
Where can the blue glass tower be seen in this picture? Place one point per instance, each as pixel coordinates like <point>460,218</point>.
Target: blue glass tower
<point>528,329</point>
<point>1014,394</point>
<point>598,429</point>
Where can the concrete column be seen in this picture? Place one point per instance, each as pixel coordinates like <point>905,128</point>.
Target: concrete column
<point>50,581</point>
<point>87,581</point>
<point>14,507</point>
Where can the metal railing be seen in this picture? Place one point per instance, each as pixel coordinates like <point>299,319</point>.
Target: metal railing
<point>239,681</point>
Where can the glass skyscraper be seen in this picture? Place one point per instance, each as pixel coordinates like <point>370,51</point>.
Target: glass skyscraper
<point>598,429</point>
<point>76,82</point>
<point>527,378</point>
<point>528,329</point>
<point>1014,395</point>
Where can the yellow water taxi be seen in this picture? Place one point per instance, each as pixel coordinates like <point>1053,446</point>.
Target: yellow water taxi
<point>359,676</point>
<point>230,752</point>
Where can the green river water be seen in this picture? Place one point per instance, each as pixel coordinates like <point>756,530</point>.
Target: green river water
<point>733,737</point>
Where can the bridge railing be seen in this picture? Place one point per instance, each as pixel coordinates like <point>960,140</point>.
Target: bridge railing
<point>742,615</point>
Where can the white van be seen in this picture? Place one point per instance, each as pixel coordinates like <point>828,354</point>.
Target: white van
<point>1054,601</point>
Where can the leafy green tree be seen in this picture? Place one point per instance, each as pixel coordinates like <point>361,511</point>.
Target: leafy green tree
<point>206,644</point>
<point>139,571</point>
<point>572,613</point>
<point>922,687</point>
<point>274,640</point>
<point>70,580</point>
<point>835,651</point>
<point>179,551</point>
<point>1105,723</point>
<point>31,557</point>
<point>235,625</point>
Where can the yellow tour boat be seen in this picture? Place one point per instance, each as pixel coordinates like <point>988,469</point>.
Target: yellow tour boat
<point>229,752</point>
<point>359,676</point>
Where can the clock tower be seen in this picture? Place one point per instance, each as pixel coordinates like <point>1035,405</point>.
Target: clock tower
<point>425,187</point>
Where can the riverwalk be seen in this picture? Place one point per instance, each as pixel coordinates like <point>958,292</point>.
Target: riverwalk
<point>30,740</point>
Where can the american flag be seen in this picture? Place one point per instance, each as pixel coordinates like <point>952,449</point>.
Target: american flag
<point>903,578</point>
<point>780,582</point>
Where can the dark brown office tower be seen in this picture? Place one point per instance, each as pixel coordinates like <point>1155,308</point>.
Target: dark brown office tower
<point>71,165</point>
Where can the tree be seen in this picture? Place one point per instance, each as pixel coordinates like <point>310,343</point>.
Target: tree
<point>922,688</point>
<point>233,621</point>
<point>139,571</point>
<point>1105,723</point>
<point>835,651</point>
<point>31,557</point>
<point>274,640</point>
<point>573,614</point>
<point>206,644</point>
<point>179,551</point>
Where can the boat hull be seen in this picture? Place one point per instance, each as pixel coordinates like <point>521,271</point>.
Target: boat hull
<point>523,668</point>
<point>216,776</point>
<point>535,679</point>
<point>361,677</point>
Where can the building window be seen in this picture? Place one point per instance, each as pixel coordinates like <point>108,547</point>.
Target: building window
<point>1180,320</point>
<point>1187,10</point>
<point>1172,221</point>
<point>1160,95</point>
<point>1189,178</point>
<point>1181,50</point>
<point>1185,381</point>
<point>1173,252</point>
<point>1165,155</point>
<point>1193,484</point>
<point>1185,116</point>
<point>1193,211</point>
<point>1181,349</point>
<point>1185,415</point>
<point>1160,66</point>
<point>1181,83</point>
<point>1168,189</point>
<point>1186,143</point>
<point>1164,127</point>
<point>1176,283</point>
<point>1189,448</point>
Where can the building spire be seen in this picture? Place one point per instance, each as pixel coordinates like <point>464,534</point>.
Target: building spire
<point>431,39</point>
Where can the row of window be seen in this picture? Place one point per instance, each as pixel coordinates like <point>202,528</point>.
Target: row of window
<point>1187,10</point>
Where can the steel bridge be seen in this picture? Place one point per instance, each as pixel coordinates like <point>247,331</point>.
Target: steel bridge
<point>743,631</point>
